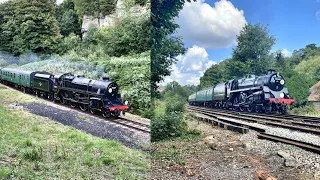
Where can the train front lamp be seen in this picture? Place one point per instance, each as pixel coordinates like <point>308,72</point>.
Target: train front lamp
<point>282,95</point>
<point>110,90</point>
<point>282,82</point>
<point>126,102</point>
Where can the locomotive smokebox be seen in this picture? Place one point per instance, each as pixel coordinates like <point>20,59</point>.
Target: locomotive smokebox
<point>106,78</point>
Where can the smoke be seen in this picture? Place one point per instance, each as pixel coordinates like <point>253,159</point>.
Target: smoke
<point>7,59</point>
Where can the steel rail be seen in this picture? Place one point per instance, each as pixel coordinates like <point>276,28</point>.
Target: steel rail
<point>308,146</point>
<point>278,123</point>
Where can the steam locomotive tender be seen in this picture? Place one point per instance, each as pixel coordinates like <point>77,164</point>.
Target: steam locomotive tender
<point>254,94</point>
<point>87,94</point>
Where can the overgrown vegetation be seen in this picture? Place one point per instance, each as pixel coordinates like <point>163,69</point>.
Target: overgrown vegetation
<point>34,147</point>
<point>170,120</point>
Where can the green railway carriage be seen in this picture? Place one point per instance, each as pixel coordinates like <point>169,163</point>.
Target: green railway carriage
<point>17,76</point>
<point>201,96</point>
<point>192,97</point>
<point>209,94</point>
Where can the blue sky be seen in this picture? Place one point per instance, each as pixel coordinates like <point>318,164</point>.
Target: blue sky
<point>294,23</point>
<point>209,29</point>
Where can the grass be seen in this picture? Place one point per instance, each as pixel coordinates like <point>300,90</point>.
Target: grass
<point>35,147</point>
<point>175,149</point>
<point>308,110</point>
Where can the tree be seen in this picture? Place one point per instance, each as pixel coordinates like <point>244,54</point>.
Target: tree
<point>212,76</point>
<point>254,42</point>
<point>164,46</point>
<point>254,45</point>
<point>68,18</point>
<point>96,8</point>
<point>130,35</point>
<point>31,27</point>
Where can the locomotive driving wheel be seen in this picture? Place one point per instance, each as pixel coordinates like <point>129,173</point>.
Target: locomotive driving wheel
<point>73,104</point>
<point>106,113</point>
<point>283,109</point>
<point>92,111</point>
<point>251,107</point>
<point>268,108</point>
<point>83,107</point>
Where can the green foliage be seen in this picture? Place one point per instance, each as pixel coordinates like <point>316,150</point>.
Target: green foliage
<point>164,46</point>
<point>254,43</point>
<point>70,42</point>
<point>68,18</point>
<point>310,68</point>
<point>5,173</point>
<point>212,76</point>
<point>132,74</point>
<point>298,86</point>
<point>308,109</point>
<point>29,26</point>
<point>33,154</point>
<point>174,103</point>
<point>129,36</point>
<point>171,124</point>
<point>94,8</point>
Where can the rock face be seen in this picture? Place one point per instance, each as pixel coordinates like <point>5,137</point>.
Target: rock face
<point>90,21</point>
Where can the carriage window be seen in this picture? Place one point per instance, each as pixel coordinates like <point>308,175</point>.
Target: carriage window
<point>14,75</point>
<point>11,74</point>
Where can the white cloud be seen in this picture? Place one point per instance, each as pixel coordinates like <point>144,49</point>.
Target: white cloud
<point>210,27</point>
<point>190,67</point>
<point>318,14</point>
<point>286,52</point>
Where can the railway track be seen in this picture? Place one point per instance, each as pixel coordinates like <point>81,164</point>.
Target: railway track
<point>304,145</point>
<point>118,120</point>
<point>288,124</point>
<point>266,120</point>
<point>132,124</point>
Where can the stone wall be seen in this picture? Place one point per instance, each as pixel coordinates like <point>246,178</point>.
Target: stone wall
<point>90,21</point>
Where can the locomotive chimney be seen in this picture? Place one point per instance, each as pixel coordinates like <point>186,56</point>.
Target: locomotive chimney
<point>106,78</point>
<point>80,76</point>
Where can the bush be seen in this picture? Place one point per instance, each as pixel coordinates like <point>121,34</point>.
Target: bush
<point>174,103</point>
<point>171,124</point>
<point>308,110</point>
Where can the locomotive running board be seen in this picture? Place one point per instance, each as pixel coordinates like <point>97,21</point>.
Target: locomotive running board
<point>247,89</point>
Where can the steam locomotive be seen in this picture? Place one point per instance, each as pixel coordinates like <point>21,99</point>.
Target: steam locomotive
<point>76,91</point>
<point>253,94</point>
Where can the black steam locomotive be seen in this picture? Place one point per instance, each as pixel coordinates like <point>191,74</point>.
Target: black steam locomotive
<point>254,94</point>
<point>76,91</point>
